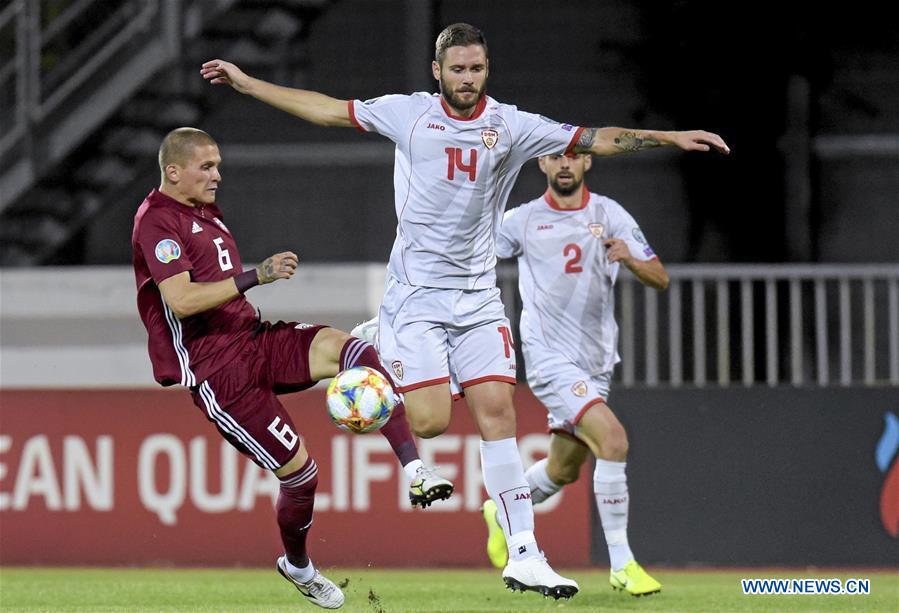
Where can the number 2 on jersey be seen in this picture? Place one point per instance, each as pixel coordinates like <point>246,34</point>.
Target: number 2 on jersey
<point>454,161</point>
<point>572,251</point>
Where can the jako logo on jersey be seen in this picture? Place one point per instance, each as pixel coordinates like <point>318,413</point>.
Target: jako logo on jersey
<point>525,496</point>
<point>397,369</point>
<point>490,137</point>
<point>167,251</point>
<point>545,226</point>
<point>596,229</point>
<point>436,126</point>
<point>579,389</point>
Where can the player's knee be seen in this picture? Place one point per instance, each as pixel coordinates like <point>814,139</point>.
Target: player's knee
<point>496,414</point>
<point>427,426</point>
<point>615,445</point>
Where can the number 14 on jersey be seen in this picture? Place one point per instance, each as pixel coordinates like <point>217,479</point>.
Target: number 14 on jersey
<point>454,161</point>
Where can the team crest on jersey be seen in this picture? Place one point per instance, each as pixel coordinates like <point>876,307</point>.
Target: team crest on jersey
<point>221,224</point>
<point>167,251</point>
<point>397,369</point>
<point>579,389</point>
<point>596,229</point>
<point>490,137</point>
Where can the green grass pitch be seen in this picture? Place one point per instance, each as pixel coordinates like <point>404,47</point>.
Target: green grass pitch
<point>395,591</point>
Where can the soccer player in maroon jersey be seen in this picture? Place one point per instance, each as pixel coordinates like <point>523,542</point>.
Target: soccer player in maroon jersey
<point>205,335</point>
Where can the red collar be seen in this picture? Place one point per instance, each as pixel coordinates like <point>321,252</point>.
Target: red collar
<point>478,109</point>
<point>585,198</point>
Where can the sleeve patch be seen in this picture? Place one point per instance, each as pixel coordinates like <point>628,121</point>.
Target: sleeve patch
<point>167,250</point>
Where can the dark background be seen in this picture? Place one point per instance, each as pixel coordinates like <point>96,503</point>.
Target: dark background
<point>806,96</point>
<point>741,477</point>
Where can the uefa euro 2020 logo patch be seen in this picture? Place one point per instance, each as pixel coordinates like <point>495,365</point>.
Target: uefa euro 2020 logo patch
<point>167,251</point>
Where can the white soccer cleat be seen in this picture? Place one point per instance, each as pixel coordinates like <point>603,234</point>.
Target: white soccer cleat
<point>428,486</point>
<point>535,574</point>
<point>319,590</point>
<point>367,331</point>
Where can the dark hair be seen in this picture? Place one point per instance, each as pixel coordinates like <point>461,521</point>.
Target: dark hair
<point>458,35</point>
<point>178,146</point>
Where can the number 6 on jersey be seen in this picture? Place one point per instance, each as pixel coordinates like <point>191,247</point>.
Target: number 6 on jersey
<point>224,256</point>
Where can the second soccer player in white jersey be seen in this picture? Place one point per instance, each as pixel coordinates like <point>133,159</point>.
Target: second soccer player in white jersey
<point>570,244</point>
<point>457,156</point>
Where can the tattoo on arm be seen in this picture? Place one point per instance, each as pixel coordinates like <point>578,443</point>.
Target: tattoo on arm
<point>268,268</point>
<point>585,141</point>
<point>629,141</point>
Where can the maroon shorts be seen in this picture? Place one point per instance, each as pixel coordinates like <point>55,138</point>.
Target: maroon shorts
<point>241,398</point>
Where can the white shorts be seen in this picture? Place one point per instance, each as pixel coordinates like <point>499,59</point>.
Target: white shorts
<point>427,334</point>
<point>566,390</point>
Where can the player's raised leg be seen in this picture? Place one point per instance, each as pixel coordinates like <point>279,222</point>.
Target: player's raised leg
<point>429,413</point>
<point>333,351</point>
<point>491,405</point>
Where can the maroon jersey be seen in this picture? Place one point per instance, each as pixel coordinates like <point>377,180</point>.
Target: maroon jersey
<point>170,238</point>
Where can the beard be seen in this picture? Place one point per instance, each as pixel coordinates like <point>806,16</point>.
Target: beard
<point>455,101</point>
<point>567,190</point>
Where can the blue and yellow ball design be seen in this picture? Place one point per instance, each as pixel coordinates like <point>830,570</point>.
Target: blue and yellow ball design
<point>360,400</point>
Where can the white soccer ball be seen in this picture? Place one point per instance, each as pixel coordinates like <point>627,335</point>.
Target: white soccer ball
<point>360,400</point>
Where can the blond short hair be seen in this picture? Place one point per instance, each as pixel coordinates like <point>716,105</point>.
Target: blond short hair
<point>178,146</point>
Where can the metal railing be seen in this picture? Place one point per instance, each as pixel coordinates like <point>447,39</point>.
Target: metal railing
<point>13,110</point>
<point>771,324</point>
<point>55,55</point>
<point>72,64</point>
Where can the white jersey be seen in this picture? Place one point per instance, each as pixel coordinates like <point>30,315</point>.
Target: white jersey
<point>566,281</point>
<point>452,177</point>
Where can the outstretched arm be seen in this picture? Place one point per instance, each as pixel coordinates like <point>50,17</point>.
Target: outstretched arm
<point>612,141</point>
<point>312,106</point>
<point>186,297</point>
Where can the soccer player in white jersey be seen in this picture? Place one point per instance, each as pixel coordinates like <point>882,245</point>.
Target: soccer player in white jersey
<point>570,244</point>
<point>457,156</point>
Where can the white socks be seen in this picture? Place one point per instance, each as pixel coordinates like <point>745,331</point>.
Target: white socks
<point>505,482</point>
<point>411,468</point>
<point>610,489</point>
<point>542,487</point>
<point>303,575</point>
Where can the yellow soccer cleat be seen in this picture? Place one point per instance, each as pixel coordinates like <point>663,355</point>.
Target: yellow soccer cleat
<point>634,580</point>
<point>496,540</point>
